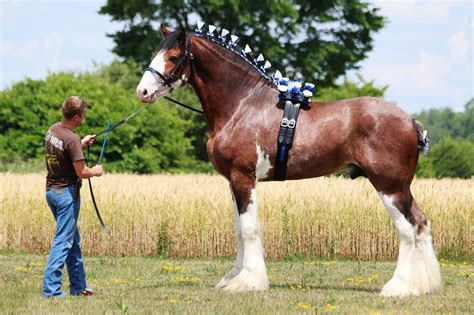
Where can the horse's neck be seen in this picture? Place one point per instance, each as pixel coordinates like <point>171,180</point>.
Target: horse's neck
<point>223,83</point>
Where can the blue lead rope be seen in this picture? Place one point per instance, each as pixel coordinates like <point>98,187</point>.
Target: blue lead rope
<point>105,141</point>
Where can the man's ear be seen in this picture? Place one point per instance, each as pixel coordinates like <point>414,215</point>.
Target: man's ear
<point>164,30</point>
<point>182,37</point>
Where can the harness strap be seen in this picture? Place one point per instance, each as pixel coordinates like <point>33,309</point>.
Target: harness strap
<point>162,77</point>
<point>285,138</point>
<point>184,105</point>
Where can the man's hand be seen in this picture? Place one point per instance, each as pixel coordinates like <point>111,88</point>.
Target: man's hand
<point>88,140</point>
<point>85,172</point>
<point>98,170</point>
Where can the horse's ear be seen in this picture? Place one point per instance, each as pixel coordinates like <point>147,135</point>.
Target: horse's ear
<point>182,36</point>
<point>164,30</point>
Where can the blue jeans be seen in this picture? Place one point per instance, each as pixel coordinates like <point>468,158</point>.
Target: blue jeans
<point>66,244</point>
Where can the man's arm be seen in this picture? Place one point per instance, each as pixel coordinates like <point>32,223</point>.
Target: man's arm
<point>86,172</point>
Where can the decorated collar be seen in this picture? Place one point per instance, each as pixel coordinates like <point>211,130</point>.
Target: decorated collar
<point>288,89</point>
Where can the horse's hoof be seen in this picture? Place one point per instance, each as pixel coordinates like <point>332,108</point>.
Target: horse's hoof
<point>244,281</point>
<point>396,287</point>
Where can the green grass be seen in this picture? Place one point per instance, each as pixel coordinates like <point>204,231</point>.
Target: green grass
<point>153,285</point>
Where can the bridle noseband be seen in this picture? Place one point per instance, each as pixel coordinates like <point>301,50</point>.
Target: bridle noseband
<point>166,79</point>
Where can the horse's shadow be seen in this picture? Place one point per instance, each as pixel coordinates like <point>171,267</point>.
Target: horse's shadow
<point>288,286</point>
<point>291,286</point>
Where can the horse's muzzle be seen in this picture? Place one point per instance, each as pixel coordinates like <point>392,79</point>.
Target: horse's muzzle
<point>145,96</point>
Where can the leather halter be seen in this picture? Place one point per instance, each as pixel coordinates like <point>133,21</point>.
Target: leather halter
<point>166,80</point>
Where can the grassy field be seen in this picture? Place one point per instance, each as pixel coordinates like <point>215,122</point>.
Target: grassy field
<point>192,216</point>
<point>153,285</point>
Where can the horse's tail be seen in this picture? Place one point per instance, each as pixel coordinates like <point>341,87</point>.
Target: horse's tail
<point>423,141</point>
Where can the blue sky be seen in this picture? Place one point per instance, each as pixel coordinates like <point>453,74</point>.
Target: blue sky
<point>424,54</point>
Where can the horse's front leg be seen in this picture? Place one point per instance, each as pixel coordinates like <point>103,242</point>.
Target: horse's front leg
<point>249,272</point>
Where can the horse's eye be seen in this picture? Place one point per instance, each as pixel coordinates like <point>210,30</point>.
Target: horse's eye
<point>174,59</point>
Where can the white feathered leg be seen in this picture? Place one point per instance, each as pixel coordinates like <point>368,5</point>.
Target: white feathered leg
<point>249,272</point>
<point>417,270</point>
<point>240,250</point>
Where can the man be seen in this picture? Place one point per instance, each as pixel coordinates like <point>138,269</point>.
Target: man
<point>66,167</point>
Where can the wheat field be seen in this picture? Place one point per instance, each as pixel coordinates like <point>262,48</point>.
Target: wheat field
<point>192,216</point>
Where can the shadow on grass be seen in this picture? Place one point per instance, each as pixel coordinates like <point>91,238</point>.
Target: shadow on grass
<point>289,286</point>
<point>324,287</point>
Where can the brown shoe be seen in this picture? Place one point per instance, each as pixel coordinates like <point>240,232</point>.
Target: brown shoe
<point>88,292</point>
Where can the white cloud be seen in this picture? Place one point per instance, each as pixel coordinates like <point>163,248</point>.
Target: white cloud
<point>414,10</point>
<point>430,71</point>
<point>37,48</point>
<point>426,73</point>
<point>459,45</point>
<point>50,53</point>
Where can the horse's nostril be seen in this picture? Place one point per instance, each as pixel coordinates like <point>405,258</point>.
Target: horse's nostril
<point>144,92</point>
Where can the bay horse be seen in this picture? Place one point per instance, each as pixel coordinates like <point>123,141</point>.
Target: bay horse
<point>367,136</point>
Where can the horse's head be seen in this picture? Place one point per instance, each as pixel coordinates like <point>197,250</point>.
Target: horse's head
<point>166,70</point>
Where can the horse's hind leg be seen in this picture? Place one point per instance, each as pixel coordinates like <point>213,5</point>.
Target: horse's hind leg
<point>417,270</point>
<point>249,272</point>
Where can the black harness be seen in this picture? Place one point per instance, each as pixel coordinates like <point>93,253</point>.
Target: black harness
<point>292,104</point>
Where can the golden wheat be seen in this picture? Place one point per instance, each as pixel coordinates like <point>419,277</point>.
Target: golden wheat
<point>192,216</point>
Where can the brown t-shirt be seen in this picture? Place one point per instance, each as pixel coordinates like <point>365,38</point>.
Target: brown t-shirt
<point>62,146</point>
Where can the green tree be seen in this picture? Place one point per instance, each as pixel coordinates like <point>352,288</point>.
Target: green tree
<point>453,158</point>
<point>314,40</point>
<point>153,141</point>
<point>444,122</point>
<point>448,158</point>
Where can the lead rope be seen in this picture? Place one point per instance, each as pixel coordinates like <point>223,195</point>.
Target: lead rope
<point>106,131</point>
<point>104,228</point>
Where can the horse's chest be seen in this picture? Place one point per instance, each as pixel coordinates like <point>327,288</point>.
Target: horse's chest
<point>232,147</point>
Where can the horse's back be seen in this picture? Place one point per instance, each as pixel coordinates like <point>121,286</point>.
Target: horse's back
<point>368,132</point>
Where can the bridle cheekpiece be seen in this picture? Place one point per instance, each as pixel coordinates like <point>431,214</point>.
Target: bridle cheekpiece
<point>166,80</point>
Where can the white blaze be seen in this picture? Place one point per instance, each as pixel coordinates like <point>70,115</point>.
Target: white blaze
<point>150,81</point>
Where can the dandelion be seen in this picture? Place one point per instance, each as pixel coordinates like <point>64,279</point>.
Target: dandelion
<point>305,306</point>
<point>174,268</point>
<point>119,280</point>
<point>329,307</point>
<point>186,279</point>
<point>357,280</point>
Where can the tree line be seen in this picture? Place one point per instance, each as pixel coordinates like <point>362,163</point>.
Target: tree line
<point>166,138</point>
<point>318,41</point>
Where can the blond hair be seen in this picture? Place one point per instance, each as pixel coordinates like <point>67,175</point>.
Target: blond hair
<point>73,105</point>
